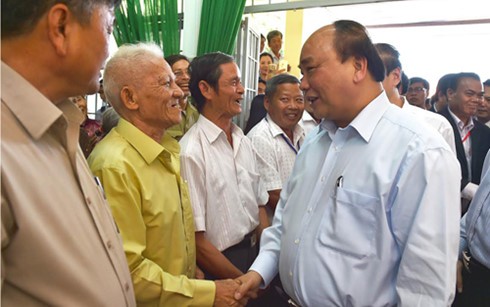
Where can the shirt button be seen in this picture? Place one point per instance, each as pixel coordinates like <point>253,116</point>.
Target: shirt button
<point>109,244</point>
<point>323,178</point>
<point>290,273</point>
<point>89,201</point>
<point>126,286</point>
<point>309,209</point>
<point>296,241</point>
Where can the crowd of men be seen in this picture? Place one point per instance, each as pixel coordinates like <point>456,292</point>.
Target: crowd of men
<point>178,207</point>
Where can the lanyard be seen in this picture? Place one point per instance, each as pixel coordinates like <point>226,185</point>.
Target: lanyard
<point>286,140</point>
<point>466,137</point>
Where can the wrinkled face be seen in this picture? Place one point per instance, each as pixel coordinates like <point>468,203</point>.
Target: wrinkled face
<point>90,60</point>
<point>325,79</point>
<point>158,96</point>
<point>265,61</point>
<point>286,106</point>
<point>276,44</point>
<point>466,98</point>
<point>182,76</point>
<point>417,94</point>
<point>483,110</point>
<point>230,91</point>
<point>81,103</point>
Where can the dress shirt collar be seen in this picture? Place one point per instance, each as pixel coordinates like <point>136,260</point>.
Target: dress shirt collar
<point>33,110</point>
<point>366,121</point>
<point>213,132</point>
<point>276,130</point>
<point>460,123</point>
<point>145,145</point>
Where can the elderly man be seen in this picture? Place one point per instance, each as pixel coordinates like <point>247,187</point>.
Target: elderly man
<point>369,216</point>
<point>60,245</point>
<point>221,168</point>
<point>138,164</point>
<point>278,137</point>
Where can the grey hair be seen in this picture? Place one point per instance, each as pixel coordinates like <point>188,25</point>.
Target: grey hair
<point>127,66</point>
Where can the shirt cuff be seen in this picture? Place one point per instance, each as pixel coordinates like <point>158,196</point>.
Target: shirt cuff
<point>469,191</point>
<point>204,293</point>
<point>266,267</point>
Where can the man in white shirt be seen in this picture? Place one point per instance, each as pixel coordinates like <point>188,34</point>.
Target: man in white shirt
<point>278,137</point>
<point>390,57</point>
<point>220,166</point>
<point>369,215</point>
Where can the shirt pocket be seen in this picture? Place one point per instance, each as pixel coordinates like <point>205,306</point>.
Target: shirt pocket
<point>349,224</point>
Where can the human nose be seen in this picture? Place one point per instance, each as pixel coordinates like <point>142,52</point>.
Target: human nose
<point>177,92</point>
<point>304,85</point>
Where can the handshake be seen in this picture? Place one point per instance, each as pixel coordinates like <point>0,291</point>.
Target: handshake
<point>237,292</point>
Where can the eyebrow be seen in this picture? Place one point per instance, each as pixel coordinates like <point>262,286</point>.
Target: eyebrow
<point>305,61</point>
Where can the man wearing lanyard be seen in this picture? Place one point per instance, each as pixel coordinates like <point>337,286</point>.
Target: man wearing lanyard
<point>472,137</point>
<point>278,137</point>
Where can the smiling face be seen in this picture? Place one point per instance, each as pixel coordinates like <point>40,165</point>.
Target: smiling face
<point>325,79</point>
<point>227,99</point>
<point>182,76</point>
<point>158,96</point>
<point>265,61</point>
<point>286,106</point>
<point>464,101</point>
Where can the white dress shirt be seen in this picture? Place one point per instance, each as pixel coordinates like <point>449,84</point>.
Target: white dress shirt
<point>276,150</point>
<point>307,122</point>
<point>368,217</point>
<point>224,184</point>
<point>434,120</point>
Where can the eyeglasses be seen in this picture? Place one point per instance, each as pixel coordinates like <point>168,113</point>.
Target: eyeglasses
<point>415,89</point>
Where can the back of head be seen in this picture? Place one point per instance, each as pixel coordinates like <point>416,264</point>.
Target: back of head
<point>19,17</point>
<point>271,85</point>
<point>352,40</point>
<point>174,58</point>
<point>206,68</point>
<point>390,57</point>
<point>127,67</point>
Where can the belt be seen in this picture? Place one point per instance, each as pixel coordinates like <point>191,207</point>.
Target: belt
<point>473,266</point>
<point>286,297</point>
<point>249,241</point>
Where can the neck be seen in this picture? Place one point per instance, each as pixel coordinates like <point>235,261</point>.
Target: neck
<point>394,97</point>
<point>222,121</point>
<point>368,93</point>
<point>156,133</point>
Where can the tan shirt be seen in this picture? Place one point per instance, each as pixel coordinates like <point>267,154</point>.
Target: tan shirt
<point>60,245</point>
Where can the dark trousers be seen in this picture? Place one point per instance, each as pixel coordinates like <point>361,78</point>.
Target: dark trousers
<point>476,286</point>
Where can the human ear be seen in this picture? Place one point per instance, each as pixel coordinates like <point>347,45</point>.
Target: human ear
<point>59,19</point>
<point>129,98</point>
<point>206,90</point>
<point>266,103</point>
<point>360,68</point>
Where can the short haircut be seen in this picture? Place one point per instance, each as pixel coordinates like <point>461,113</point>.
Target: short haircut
<point>262,36</point>
<point>206,68</point>
<point>424,82</point>
<point>262,81</point>
<point>263,54</point>
<point>273,34</point>
<point>174,58</point>
<point>403,85</point>
<point>487,82</point>
<point>21,16</point>
<point>127,67</point>
<point>390,57</point>
<point>272,83</point>
<point>454,82</point>
<point>442,86</point>
<point>352,40</point>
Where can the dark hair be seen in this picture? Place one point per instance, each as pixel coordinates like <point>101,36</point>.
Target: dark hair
<point>390,57</point>
<point>454,81</point>
<point>442,86</point>
<point>273,34</point>
<point>272,83</point>
<point>487,83</point>
<point>424,82</point>
<point>174,58</point>
<point>262,36</point>
<point>352,40</point>
<point>262,81</point>
<point>263,54</point>
<point>21,16</point>
<point>403,85</point>
<point>206,68</point>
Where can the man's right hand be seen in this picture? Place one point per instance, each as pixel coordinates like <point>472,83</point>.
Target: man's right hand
<point>225,292</point>
<point>249,285</point>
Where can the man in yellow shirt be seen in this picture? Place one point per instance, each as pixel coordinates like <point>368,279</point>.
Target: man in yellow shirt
<point>138,164</point>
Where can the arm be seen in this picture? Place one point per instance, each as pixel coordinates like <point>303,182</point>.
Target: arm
<point>263,221</point>
<point>273,199</point>
<point>212,260</point>
<point>151,282</point>
<point>425,219</point>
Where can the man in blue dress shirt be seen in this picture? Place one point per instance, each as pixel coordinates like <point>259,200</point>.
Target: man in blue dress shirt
<point>370,213</point>
<point>474,263</point>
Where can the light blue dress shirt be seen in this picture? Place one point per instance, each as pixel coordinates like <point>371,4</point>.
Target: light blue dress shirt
<point>475,224</point>
<point>369,216</point>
